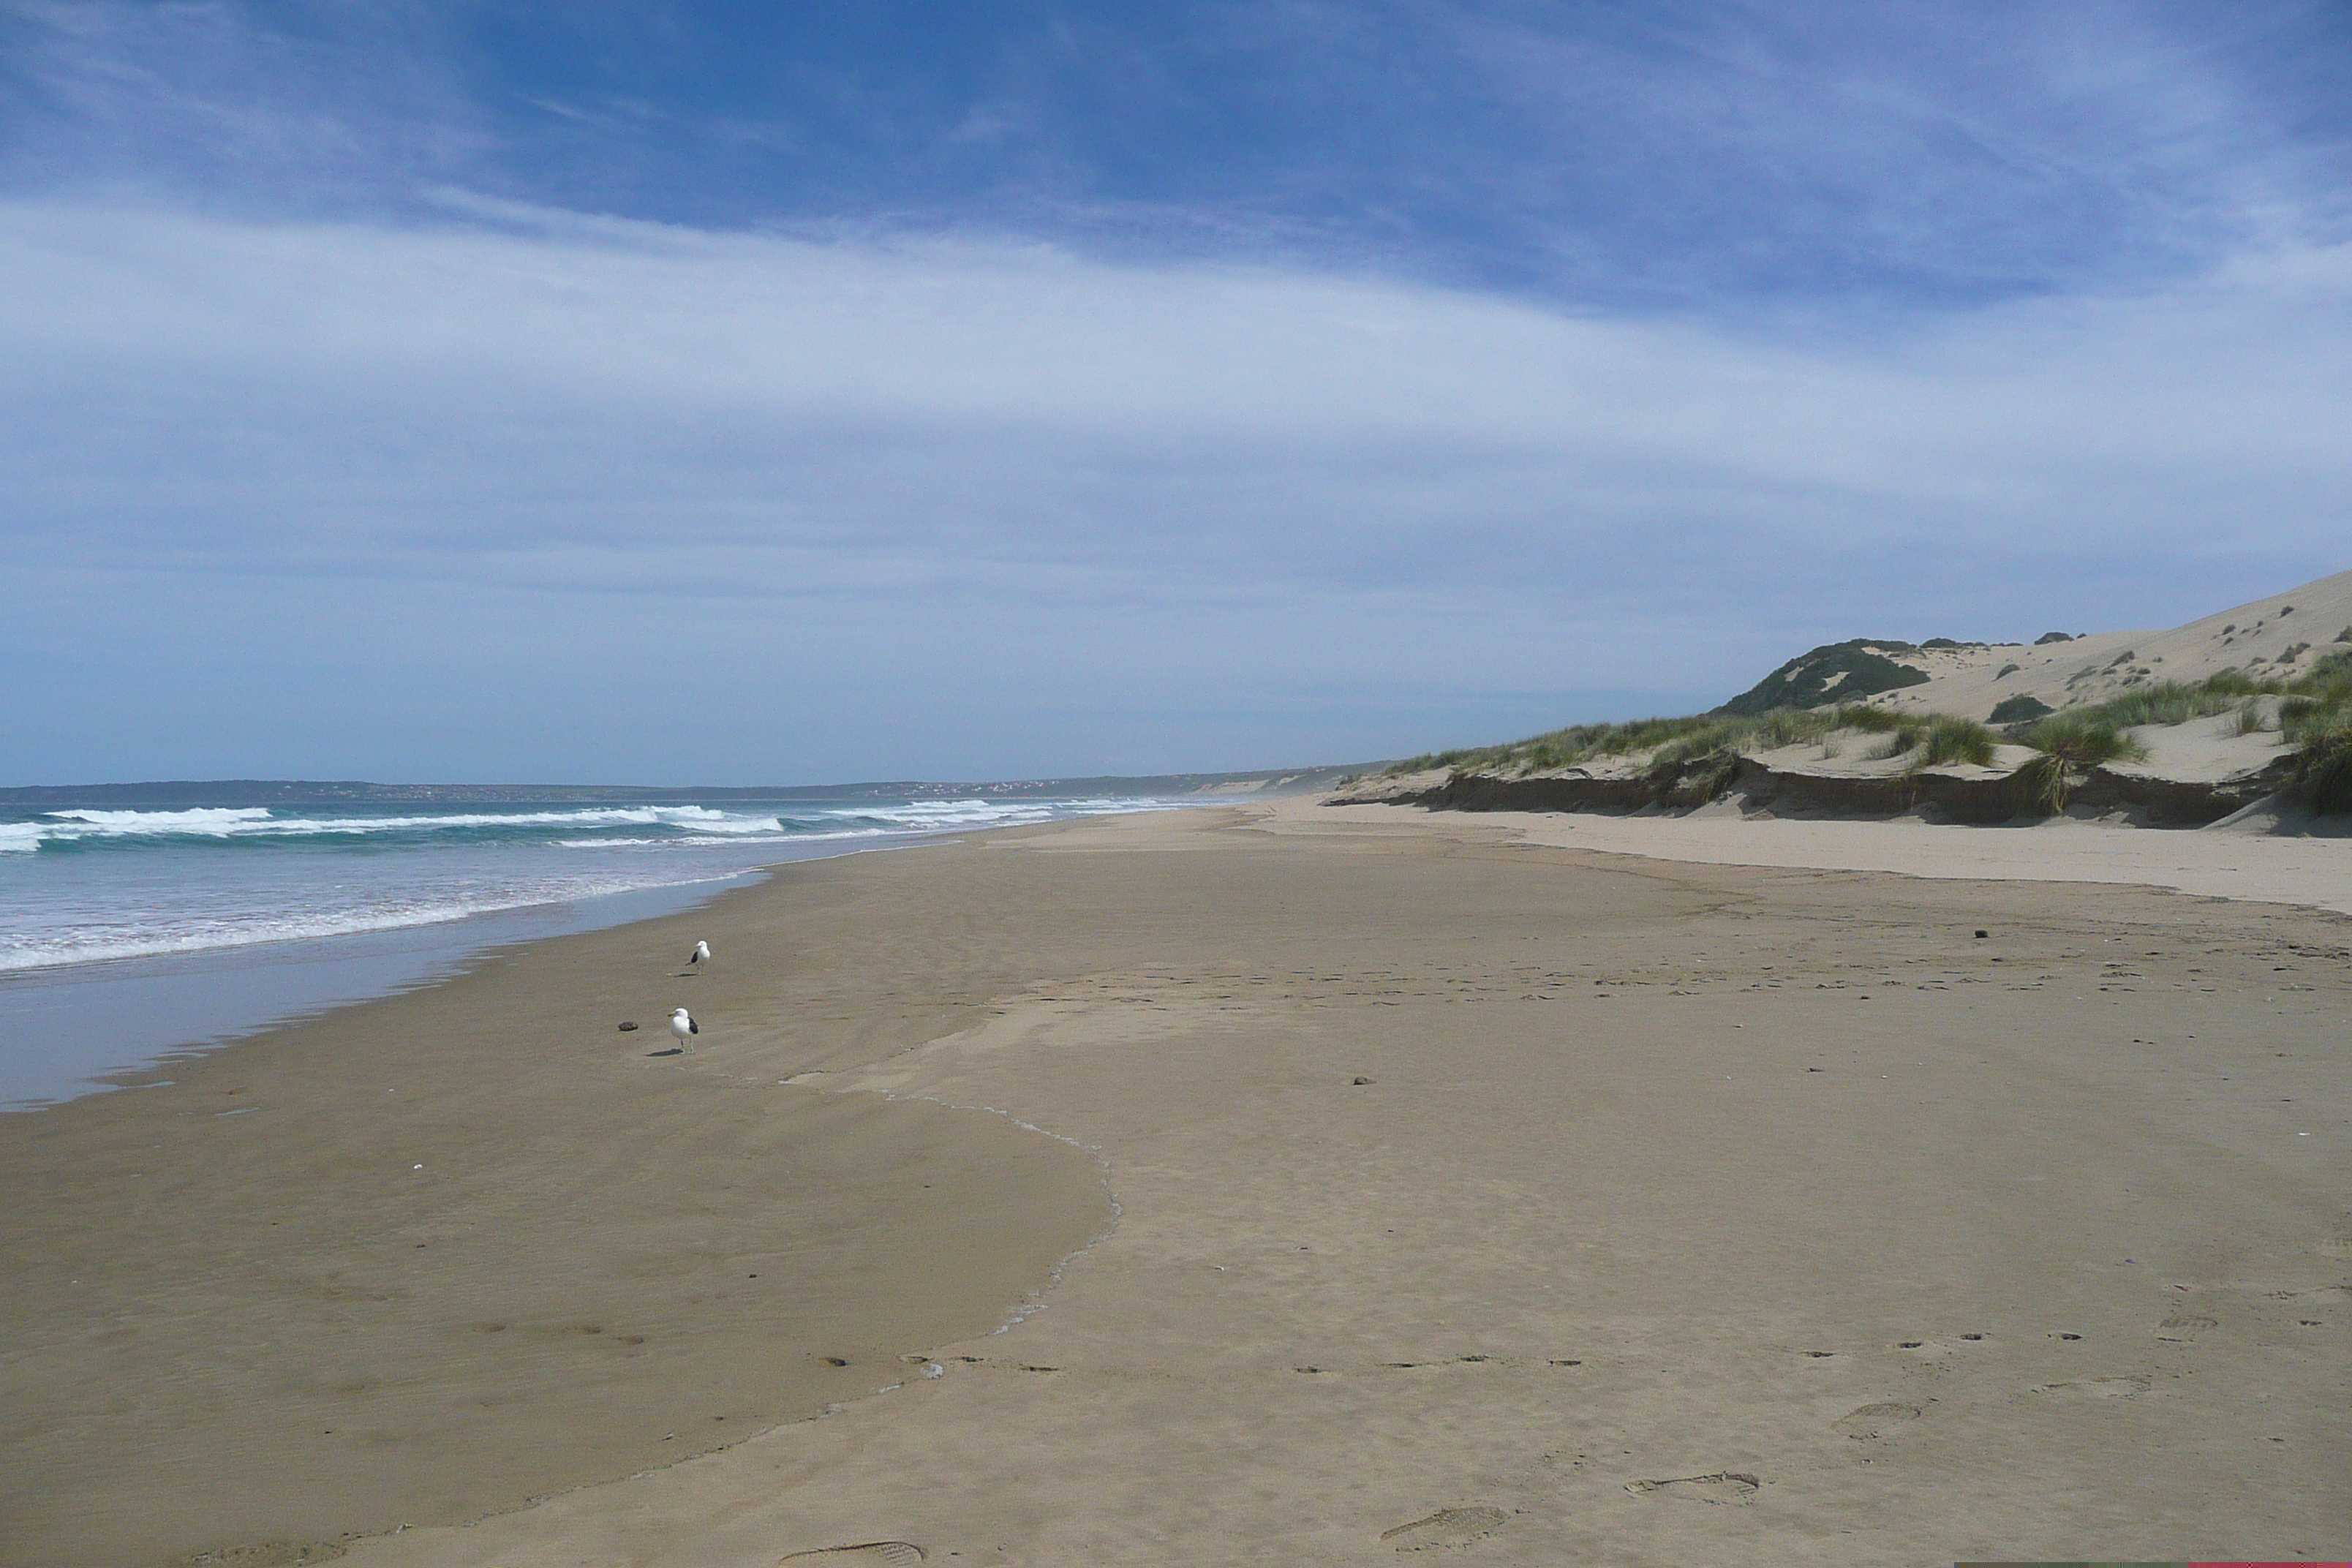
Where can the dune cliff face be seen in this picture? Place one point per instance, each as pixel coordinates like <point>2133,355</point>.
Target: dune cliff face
<point>1783,788</point>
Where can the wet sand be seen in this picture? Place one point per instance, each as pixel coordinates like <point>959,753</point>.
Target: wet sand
<point>1682,1213</point>
<point>428,1257</point>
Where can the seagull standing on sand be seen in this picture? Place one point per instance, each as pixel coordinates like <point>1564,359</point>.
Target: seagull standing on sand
<point>701,953</point>
<point>682,1024</point>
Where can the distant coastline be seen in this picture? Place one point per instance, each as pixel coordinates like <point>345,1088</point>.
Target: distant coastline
<point>338,792</point>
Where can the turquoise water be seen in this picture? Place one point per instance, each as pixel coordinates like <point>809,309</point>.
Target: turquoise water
<point>128,935</point>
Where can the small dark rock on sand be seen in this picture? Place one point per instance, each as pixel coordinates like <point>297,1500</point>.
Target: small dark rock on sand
<point>626,1027</point>
<point>1361,1079</point>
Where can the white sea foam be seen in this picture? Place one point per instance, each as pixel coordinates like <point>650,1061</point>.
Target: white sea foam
<point>732,841</point>
<point>899,821</point>
<point>98,942</point>
<point>259,822</point>
<point>162,888</point>
<point>204,819</point>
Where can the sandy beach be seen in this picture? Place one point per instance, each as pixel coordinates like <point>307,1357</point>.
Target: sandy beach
<point>1389,1183</point>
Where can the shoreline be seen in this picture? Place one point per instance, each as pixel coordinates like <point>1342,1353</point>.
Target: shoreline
<point>108,1018</point>
<point>363,1272</point>
<point>1466,1187</point>
<point>154,1009</point>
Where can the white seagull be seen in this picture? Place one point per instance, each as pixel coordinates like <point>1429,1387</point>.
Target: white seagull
<point>701,953</point>
<point>682,1024</point>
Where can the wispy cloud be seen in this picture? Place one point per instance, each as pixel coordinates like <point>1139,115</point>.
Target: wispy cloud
<point>1690,157</point>
<point>1274,382</point>
<point>1144,478</point>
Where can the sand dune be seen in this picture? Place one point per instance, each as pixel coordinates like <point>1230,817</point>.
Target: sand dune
<point>2274,636</point>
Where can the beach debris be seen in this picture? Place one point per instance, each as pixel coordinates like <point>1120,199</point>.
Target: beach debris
<point>1982,934</point>
<point>682,1024</point>
<point>629,1026</point>
<point>933,1369</point>
<point>881,1553</point>
<point>1361,1079</point>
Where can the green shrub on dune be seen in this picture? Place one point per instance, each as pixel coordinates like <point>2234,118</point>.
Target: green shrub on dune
<point>2020,710</point>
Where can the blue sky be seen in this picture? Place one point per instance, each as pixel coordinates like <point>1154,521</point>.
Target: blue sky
<point>747,393</point>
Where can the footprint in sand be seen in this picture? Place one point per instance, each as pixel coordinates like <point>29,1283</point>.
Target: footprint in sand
<point>2099,1388</point>
<point>1723,1487</point>
<point>866,1554</point>
<point>1446,1526</point>
<point>2186,1326</point>
<point>1875,1420</point>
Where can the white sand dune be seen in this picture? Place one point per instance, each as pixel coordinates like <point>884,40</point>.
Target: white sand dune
<point>2276,635</point>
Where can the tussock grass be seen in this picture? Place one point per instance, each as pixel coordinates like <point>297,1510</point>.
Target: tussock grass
<point>1940,740</point>
<point>2042,784</point>
<point>1680,740</point>
<point>2082,739</point>
<point>2323,771</point>
<point>2171,701</point>
<point>2071,742</point>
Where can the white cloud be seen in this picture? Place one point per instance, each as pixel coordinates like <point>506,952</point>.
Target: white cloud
<point>1304,493</point>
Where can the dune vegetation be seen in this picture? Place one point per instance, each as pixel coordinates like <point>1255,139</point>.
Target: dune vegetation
<point>1693,758</point>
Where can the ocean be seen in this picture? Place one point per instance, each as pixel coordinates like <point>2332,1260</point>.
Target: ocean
<point>128,936</point>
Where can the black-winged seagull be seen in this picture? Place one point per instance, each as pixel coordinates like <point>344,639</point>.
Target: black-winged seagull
<point>702,951</point>
<point>682,1024</point>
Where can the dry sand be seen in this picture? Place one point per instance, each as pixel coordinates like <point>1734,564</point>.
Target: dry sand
<point>1549,1205</point>
<point>2315,873</point>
